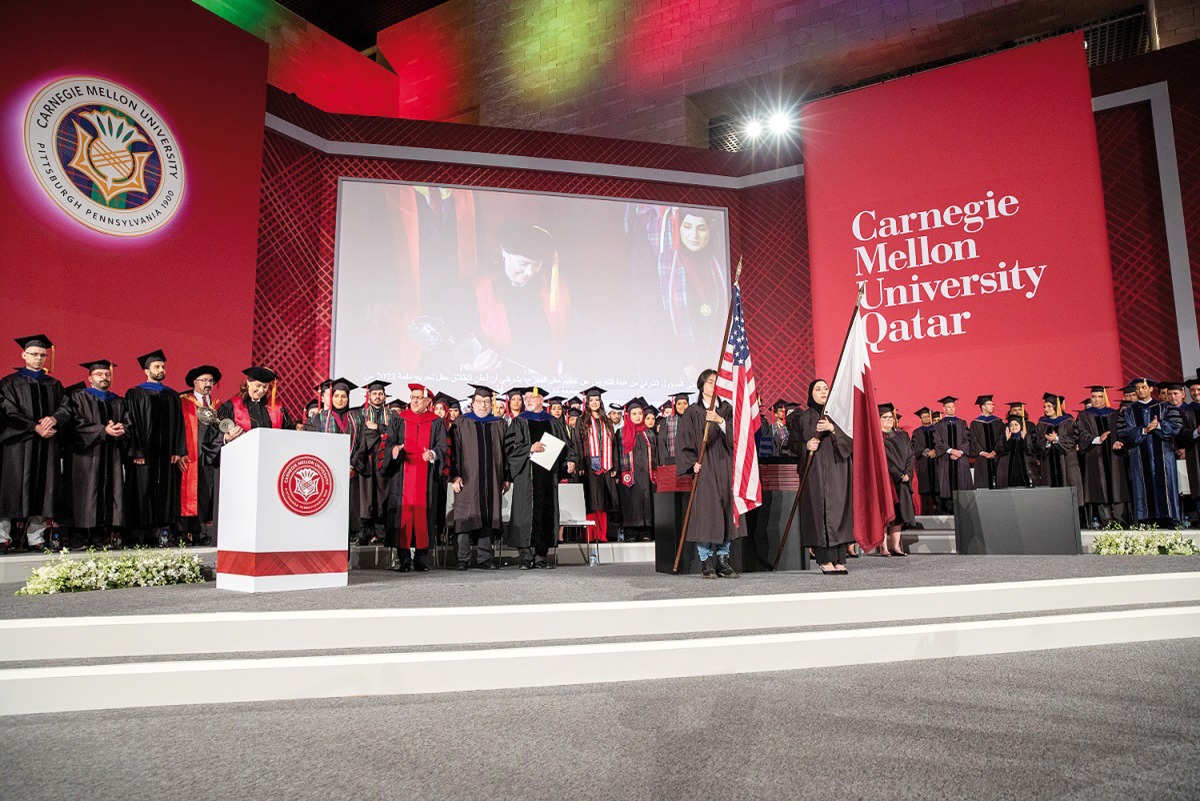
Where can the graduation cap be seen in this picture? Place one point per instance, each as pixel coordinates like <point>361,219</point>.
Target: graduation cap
<point>152,356</point>
<point>344,383</point>
<point>982,399</point>
<point>35,341</point>
<point>1050,397</point>
<point>937,416</point>
<point>204,369</point>
<point>681,396</point>
<point>396,404</point>
<point>1011,404</point>
<point>884,408</point>
<point>1098,387</point>
<point>573,412</point>
<point>1149,382</point>
<point>593,392</point>
<point>1191,382</point>
<point>574,403</point>
<point>514,391</point>
<point>98,364</point>
<point>947,399</point>
<point>324,385</point>
<point>482,392</point>
<point>445,400</point>
<point>1172,385</point>
<point>534,390</point>
<point>377,384</point>
<point>636,403</point>
<point>261,374</point>
<point>780,404</point>
<point>553,399</point>
<point>923,410</point>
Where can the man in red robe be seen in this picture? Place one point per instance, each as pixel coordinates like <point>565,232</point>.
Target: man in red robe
<point>197,487</point>
<point>419,453</point>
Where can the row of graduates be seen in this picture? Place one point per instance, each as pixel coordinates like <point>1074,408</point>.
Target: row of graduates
<point>405,458</point>
<point>84,458</point>
<point>1121,461</point>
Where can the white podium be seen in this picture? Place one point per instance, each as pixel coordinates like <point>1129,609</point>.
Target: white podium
<point>284,511</point>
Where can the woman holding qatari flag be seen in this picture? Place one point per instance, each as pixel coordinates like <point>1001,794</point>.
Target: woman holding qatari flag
<point>826,502</point>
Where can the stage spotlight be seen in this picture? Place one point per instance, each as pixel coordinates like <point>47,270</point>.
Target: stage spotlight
<point>781,123</point>
<point>754,129</point>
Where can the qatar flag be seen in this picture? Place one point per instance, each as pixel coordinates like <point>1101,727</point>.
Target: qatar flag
<point>852,406</point>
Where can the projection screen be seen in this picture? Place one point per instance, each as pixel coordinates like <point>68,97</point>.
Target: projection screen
<point>454,286</point>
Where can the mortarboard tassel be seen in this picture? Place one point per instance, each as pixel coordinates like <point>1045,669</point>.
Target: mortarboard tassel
<point>50,370</point>
<point>1107,402</point>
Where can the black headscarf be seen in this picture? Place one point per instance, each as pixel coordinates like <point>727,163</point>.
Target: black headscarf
<point>812,403</point>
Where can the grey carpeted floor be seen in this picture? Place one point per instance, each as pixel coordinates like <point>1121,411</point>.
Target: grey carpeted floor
<point>1112,722</point>
<point>617,582</point>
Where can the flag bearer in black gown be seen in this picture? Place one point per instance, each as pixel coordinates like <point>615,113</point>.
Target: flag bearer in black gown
<point>901,468</point>
<point>1105,470</point>
<point>1056,447</point>
<point>1148,428</point>
<point>986,435</point>
<point>636,489</point>
<point>32,413</point>
<point>925,453</point>
<point>712,526</point>
<point>1187,450</point>
<point>157,452</point>
<point>951,440</point>
<point>98,455</point>
<point>827,500</point>
<point>533,526</point>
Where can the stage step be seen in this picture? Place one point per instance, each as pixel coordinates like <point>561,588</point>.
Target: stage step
<point>943,542</point>
<point>229,632</point>
<point>59,689</point>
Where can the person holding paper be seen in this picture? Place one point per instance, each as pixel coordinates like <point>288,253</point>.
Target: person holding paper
<point>533,526</point>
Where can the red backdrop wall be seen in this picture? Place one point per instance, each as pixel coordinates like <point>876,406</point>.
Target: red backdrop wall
<point>187,287</point>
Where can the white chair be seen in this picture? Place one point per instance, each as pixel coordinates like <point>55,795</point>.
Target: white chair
<point>572,511</point>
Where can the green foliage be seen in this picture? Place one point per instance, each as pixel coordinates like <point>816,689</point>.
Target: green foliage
<point>104,570</point>
<point>1144,544</point>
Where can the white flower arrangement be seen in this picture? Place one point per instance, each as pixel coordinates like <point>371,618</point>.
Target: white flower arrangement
<point>105,570</point>
<point>1144,543</point>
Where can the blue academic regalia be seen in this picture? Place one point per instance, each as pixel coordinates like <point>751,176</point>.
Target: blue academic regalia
<point>1152,471</point>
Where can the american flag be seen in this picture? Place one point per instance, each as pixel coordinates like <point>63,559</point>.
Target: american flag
<point>735,384</point>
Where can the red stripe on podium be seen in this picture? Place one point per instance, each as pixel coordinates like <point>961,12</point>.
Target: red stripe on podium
<point>281,563</point>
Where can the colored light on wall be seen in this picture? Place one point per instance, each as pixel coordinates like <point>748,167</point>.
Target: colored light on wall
<point>561,46</point>
<point>667,35</point>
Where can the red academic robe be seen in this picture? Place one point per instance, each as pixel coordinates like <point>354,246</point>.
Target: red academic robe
<point>419,430</point>
<point>189,489</point>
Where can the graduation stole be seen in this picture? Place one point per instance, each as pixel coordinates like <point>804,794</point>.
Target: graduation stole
<point>241,415</point>
<point>600,444</point>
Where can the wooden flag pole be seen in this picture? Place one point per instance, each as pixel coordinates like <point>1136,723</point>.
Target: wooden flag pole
<point>687,515</point>
<point>804,476</point>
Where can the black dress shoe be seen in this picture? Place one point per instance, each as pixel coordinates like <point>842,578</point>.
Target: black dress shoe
<point>724,569</point>
<point>461,566</point>
<point>541,564</point>
<point>526,566</point>
<point>486,566</point>
<point>419,566</point>
<point>708,569</point>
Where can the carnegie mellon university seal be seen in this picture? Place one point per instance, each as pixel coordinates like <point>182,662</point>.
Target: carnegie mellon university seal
<point>104,155</point>
<point>305,485</point>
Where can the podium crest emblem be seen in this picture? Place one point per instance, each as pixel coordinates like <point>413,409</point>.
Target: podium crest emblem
<point>305,485</point>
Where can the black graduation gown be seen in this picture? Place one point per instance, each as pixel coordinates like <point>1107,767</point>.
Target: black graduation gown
<point>326,422</point>
<point>1187,441</point>
<point>951,432</point>
<point>155,434</point>
<point>31,483</point>
<point>479,460</point>
<point>986,434</point>
<point>1059,460</point>
<point>1105,471</point>
<point>636,490</point>
<point>534,519</point>
<point>368,454</point>
<point>1016,464</point>
<point>712,502</point>
<point>97,477</point>
<point>668,432</point>
<point>599,489</point>
<point>901,463</point>
<point>926,468</point>
<point>827,502</point>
